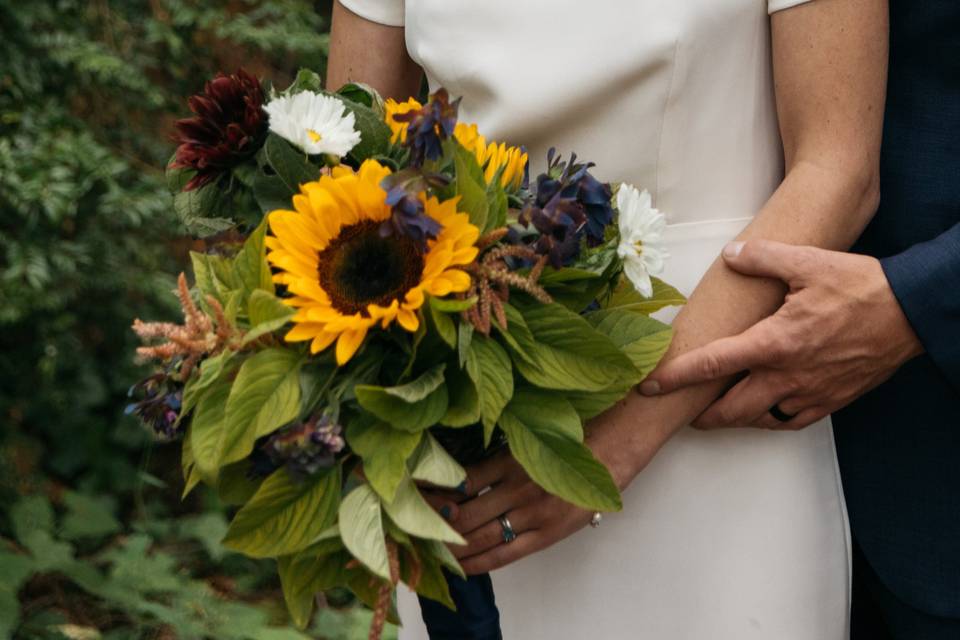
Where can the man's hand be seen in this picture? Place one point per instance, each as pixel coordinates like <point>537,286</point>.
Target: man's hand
<point>839,333</point>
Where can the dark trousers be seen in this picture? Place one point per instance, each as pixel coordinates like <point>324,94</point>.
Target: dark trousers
<point>878,614</point>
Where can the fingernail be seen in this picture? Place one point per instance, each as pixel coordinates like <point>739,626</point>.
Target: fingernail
<point>445,512</point>
<point>462,487</point>
<point>650,388</point>
<point>733,249</point>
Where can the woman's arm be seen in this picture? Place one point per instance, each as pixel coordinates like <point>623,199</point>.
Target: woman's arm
<point>365,51</point>
<point>830,60</point>
<point>830,70</point>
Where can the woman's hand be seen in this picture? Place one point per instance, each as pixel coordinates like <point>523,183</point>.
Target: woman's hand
<point>624,439</point>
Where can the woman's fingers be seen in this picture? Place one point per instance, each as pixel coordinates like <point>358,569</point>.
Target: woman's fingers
<point>492,533</point>
<point>490,505</point>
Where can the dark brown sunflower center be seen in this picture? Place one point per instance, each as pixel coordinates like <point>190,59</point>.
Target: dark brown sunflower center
<point>360,268</point>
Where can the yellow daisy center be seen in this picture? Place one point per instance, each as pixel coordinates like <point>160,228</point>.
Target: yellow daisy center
<point>360,268</point>
<point>314,136</point>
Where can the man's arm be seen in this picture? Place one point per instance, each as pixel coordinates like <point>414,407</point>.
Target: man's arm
<point>926,281</point>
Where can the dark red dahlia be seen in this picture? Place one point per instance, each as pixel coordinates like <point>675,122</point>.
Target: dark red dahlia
<point>228,126</point>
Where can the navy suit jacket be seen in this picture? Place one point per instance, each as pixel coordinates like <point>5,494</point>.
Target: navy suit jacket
<point>899,446</point>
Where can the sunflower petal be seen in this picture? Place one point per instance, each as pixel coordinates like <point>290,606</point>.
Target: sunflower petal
<point>348,343</point>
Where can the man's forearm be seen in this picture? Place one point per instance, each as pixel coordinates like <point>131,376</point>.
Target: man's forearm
<point>926,281</point>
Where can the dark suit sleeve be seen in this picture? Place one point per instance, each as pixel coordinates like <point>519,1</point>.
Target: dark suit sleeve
<point>926,280</point>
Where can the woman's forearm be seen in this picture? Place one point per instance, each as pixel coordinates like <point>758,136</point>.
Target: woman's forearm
<point>830,76</point>
<point>375,54</point>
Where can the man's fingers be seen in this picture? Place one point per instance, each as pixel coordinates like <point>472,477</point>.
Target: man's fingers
<point>770,259</point>
<point>743,405</point>
<point>718,359</point>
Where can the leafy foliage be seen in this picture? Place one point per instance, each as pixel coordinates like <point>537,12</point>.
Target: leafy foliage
<point>93,540</point>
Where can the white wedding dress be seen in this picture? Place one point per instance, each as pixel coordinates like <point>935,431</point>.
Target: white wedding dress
<point>727,535</point>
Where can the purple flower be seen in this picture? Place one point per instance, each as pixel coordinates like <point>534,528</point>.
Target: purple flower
<point>408,215</point>
<point>570,205</point>
<point>429,126</point>
<point>159,406</point>
<point>306,447</point>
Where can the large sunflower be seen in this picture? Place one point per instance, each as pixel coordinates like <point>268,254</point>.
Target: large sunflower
<point>345,276</point>
<point>490,156</point>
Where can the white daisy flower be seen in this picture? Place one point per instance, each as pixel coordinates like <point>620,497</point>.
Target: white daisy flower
<point>641,245</point>
<point>314,122</point>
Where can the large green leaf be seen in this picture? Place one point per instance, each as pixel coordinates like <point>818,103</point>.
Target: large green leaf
<point>374,132</point>
<point>643,339</point>
<point>414,406</point>
<point>626,297</point>
<point>464,400</point>
<point>266,313</point>
<point>442,553</point>
<point>291,165</point>
<point>206,429</point>
<point>211,370</point>
<point>305,574</point>
<point>214,275</point>
<point>361,527</point>
<point>548,408</point>
<point>414,515</point>
<point>197,210</point>
<point>558,349</point>
<point>384,451</point>
<point>250,264</point>
<point>470,186</point>
<point>558,463</point>
<point>431,463</point>
<point>265,396</point>
<point>488,365</point>
<point>285,515</point>
<point>432,583</point>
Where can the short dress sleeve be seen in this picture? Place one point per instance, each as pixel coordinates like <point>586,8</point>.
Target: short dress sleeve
<point>388,12</point>
<point>779,5</point>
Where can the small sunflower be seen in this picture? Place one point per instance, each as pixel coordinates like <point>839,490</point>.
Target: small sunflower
<point>345,276</point>
<point>490,156</point>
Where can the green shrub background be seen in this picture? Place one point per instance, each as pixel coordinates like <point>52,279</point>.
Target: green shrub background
<point>94,541</point>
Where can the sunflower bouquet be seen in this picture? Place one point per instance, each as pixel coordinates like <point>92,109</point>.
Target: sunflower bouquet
<point>380,297</point>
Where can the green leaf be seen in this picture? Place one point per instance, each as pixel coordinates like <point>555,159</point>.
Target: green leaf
<point>361,528</point>
<point>464,338</point>
<point>207,428</point>
<point>444,325</point>
<point>265,396</point>
<point>441,552</point>
<point>558,349</point>
<point>285,515</point>
<point>272,193</point>
<point>305,574</point>
<point>250,264</point>
<point>558,463</point>
<point>88,516</point>
<point>431,463</point>
<point>29,514</point>
<point>411,513</point>
<point>374,132</point>
<point>384,451</point>
<point>627,298</point>
<point>363,94</point>
<point>643,339</point>
<point>214,275</point>
<point>291,165</point>
<point>452,305</point>
<point>471,187</point>
<point>497,205</point>
<point>266,313</point>
<point>16,570</point>
<point>547,408</point>
<point>414,406</point>
<point>463,409</point>
<point>432,583</point>
<point>196,208</point>
<point>488,365</point>
<point>306,80</point>
<point>211,370</point>
<point>235,486</point>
